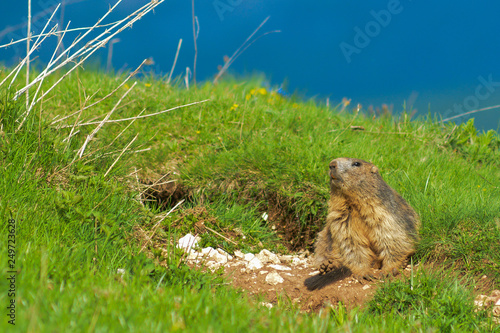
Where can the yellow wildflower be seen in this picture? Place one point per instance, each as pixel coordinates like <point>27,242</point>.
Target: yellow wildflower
<point>234,107</point>
<point>263,91</point>
<point>295,105</point>
<point>148,84</point>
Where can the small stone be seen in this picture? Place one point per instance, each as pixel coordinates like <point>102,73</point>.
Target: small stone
<point>274,278</point>
<point>207,250</point>
<point>297,261</point>
<point>496,311</point>
<point>224,253</point>
<point>254,264</point>
<point>479,300</point>
<point>267,256</point>
<point>263,272</point>
<point>214,255</point>
<point>286,257</point>
<point>314,273</point>
<point>248,256</point>
<point>366,287</point>
<point>280,267</point>
<point>267,305</point>
<point>194,256</point>
<point>213,266</point>
<point>238,254</point>
<point>188,242</point>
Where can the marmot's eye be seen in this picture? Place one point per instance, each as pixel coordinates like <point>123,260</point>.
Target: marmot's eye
<point>356,164</point>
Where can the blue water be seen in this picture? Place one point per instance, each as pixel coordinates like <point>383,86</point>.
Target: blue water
<point>440,57</point>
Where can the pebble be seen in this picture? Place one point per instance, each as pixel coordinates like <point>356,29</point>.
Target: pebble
<point>274,278</point>
<point>280,267</point>
<point>254,264</point>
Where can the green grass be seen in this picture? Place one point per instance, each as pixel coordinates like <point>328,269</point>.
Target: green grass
<point>243,153</point>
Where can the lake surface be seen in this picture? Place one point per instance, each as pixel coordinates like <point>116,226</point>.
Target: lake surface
<point>440,57</point>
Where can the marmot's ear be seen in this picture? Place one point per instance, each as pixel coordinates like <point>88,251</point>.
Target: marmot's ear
<point>374,169</point>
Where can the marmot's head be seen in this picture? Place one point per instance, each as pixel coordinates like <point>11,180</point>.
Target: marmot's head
<point>353,176</point>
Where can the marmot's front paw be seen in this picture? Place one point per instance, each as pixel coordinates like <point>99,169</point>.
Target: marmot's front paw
<point>327,266</point>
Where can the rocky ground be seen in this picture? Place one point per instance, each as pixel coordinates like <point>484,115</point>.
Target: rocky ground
<point>272,276</point>
<point>293,277</point>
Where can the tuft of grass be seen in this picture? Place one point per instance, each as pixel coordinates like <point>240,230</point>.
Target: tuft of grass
<point>435,300</point>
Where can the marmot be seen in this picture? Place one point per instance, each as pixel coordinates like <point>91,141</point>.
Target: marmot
<point>369,225</point>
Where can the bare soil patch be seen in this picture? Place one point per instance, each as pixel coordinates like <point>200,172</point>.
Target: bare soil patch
<point>304,287</point>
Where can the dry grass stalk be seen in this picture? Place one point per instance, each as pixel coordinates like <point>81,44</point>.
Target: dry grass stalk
<point>28,54</point>
<point>196,29</point>
<point>140,117</point>
<point>158,223</point>
<point>175,61</point>
<point>82,54</point>
<point>123,151</point>
<point>242,49</point>
<point>101,123</point>
<point>35,45</point>
<point>471,112</point>
<point>220,235</point>
<point>102,99</point>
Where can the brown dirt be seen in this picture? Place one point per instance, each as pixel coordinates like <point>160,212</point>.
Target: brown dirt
<point>309,292</point>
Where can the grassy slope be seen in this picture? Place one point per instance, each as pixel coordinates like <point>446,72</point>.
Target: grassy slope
<point>244,152</point>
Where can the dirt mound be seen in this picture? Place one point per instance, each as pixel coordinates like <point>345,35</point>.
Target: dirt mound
<point>274,276</point>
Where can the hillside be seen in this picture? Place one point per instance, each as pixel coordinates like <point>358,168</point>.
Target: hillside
<point>100,194</point>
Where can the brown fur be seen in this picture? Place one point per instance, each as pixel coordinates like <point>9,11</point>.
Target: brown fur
<point>369,225</point>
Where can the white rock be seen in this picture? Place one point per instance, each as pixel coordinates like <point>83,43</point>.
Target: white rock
<point>217,257</point>
<point>238,254</point>
<point>280,267</point>
<point>297,261</point>
<point>224,253</point>
<point>286,257</point>
<point>480,300</point>
<point>267,305</point>
<point>267,256</point>
<point>263,272</point>
<point>496,311</point>
<point>194,256</point>
<point>254,264</point>
<point>248,256</point>
<point>207,250</point>
<point>366,287</point>
<point>314,273</point>
<point>213,266</point>
<point>274,278</point>
<point>188,242</point>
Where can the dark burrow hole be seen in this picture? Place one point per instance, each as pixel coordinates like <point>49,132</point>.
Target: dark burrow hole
<point>296,236</point>
<point>165,194</point>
